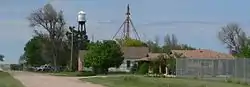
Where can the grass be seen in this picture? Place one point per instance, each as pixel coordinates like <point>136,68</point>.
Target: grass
<point>140,81</point>
<point>6,80</point>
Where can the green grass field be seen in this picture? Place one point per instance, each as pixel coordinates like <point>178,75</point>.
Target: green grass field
<point>6,80</point>
<point>139,81</point>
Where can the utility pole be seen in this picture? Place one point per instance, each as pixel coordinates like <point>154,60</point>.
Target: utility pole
<point>71,53</point>
<point>72,47</point>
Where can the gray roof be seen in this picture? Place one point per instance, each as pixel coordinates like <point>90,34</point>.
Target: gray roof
<point>135,52</point>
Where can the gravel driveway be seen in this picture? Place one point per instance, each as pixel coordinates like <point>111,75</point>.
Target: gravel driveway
<point>41,80</point>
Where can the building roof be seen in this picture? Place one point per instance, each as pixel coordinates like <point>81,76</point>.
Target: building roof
<point>150,56</point>
<point>135,52</point>
<point>203,53</point>
<point>196,54</point>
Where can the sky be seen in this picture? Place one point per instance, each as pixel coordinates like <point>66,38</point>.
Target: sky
<point>194,22</point>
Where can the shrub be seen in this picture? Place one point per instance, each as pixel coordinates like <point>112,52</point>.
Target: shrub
<point>238,82</point>
<point>143,68</point>
<point>229,80</point>
<point>196,77</point>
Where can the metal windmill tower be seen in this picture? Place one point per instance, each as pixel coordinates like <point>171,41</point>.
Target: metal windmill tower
<point>127,27</point>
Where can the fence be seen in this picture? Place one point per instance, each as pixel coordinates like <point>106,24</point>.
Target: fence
<point>214,69</point>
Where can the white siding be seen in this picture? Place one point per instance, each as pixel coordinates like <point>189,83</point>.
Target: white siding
<point>123,67</point>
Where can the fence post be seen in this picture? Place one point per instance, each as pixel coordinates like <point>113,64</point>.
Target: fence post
<point>244,67</point>
<point>176,67</point>
<point>235,68</point>
<point>227,68</point>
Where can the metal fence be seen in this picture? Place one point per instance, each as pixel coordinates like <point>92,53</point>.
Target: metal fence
<point>214,69</point>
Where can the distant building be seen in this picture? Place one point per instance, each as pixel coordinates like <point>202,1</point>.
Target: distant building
<point>194,54</point>
<point>131,54</point>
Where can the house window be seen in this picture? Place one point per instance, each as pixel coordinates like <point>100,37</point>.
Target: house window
<point>128,63</point>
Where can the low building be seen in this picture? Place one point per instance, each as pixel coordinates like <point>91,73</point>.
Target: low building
<point>134,54</point>
<point>192,58</point>
<point>131,55</point>
<point>192,54</point>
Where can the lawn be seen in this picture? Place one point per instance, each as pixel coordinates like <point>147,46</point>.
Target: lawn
<point>139,81</point>
<point>6,80</point>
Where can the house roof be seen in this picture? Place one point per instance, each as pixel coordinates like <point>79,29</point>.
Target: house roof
<point>135,52</point>
<point>150,56</point>
<point>203,53</point>
<point>196,54</point>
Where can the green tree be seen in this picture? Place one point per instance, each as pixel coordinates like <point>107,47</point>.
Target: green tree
<point>171,42</point>
<point>154,45</point>
<point>129,42</point>
<point>244,51</point>
<point>52,24</point>
<point>103,55</point>
<point>1,57</point>
<point>33,50</point>
<point>143,69</point>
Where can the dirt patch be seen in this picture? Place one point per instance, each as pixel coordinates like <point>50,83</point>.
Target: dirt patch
<point>42,80</point>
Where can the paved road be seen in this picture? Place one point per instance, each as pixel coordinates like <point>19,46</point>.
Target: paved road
<point>41,80</point>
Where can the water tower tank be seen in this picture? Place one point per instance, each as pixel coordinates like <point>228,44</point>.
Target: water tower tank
<point>81,16</point>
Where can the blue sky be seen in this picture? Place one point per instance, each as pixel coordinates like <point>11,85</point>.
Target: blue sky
<point>194,22</point>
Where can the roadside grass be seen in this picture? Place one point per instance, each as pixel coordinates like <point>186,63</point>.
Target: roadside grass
<point>140,81</point>
<point>6,80</point>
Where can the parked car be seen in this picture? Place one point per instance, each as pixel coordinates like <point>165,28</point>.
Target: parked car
<point>44,68</point>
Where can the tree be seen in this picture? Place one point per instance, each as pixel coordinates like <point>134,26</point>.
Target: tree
<point>244,51</point>
<point>33,52</point>
<point>103,55</point>
<point>171,43</point>
<point>233,36</point>
<point>48,19</point>
<point>187,47</point>
<point>1,57</point>
<point>154,45</point>
<point>143,69</point>
<point>22,59</point>
<point>129,42</point>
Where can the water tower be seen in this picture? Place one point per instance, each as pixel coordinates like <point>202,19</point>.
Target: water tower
<point>82,30</point>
